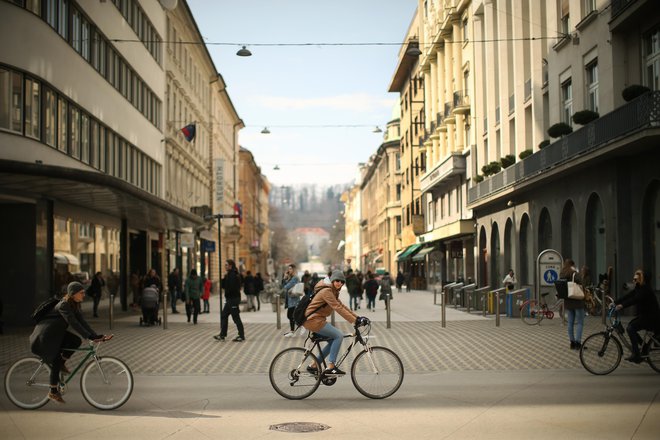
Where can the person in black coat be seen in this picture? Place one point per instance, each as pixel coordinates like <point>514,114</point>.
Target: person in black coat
<point>231,283</point>
<point>96,291</point>
<point>51,341</point>
<point>648,311</point>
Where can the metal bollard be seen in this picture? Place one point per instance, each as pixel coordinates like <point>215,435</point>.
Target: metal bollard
<point>278,307</point>
<point>497,308</point>
<point>443,309</point>
<point>112,304</point>
<point>484,303</point>
<point>387,311</point>
<point>166,294</point>
<point>435,295</point>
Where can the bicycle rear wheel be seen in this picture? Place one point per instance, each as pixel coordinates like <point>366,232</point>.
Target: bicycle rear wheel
<point>106,383</point>
<point>289,376</point>
<point>27,383</point>
<point>654,354</point>
<point>601,353</point>
<point>530,312</point>
<point>377,373</point>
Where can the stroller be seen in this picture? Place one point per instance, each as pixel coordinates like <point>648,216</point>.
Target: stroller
<point>149,302</point>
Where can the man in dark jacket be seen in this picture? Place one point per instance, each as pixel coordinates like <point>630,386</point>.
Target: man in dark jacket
<point>96,291</point>
<point>231,283</point>
<point>648,311</point>
<point>174,286</point>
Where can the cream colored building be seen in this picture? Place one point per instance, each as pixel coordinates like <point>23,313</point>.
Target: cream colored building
<point>351,198</point>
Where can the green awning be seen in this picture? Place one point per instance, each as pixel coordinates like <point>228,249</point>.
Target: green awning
<point>408,252</point>
<point>422,254</point>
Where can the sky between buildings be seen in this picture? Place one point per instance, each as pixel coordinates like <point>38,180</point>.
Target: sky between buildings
<point>312,85</point>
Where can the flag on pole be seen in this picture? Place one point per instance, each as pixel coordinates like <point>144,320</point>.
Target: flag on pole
<point>189,132</point>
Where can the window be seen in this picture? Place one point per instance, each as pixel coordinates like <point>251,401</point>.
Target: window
<point>32,109</point>
<point>398,192</point>
<point>74,146</point>
<point>62,15</point>
<point>84,138</point>
<point>589,6</point>
<point>50,118</point>
<point>564,18</point>
<point>11,100</point>
<point>567,101</point>
<point>652,60</point>
<point>592,85</point>
<point>62,125</point>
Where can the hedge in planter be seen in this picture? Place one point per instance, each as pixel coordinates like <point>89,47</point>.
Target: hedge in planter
<point>491,168</point>
<point>544,143</point>
<point>633,91</point>
<point>583,117</point>
<point>524,154</point>
<point>508,160</point>
<point>559,129</point>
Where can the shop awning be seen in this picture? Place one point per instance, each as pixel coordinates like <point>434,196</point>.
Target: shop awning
<point>419,256</point>
<point>65,258</point>
<point>408,252</point>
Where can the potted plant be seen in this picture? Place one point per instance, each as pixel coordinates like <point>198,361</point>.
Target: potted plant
<point>491,168</point>
<point>583,117</point>
<point>559,129</point>
<point>478,178</point>
<point>508,160</point>
<point>523,154</point>
<point>633,91</point>
<point>544,143</point>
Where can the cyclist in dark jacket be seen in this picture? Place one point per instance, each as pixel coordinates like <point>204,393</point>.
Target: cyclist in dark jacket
<point>648,311</point>
<point>231,283</point>
<point>51,341</point>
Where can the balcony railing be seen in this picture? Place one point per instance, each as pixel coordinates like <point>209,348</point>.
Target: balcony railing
<point>528,89</point>
<point>438,118</point>
<point>642,113</point>
<point>461,102</point>
<point>618,6</point>
<point>447,110</point>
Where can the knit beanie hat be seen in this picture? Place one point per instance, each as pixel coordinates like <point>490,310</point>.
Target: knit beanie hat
<point>337,275</point>
<point>74,287</point>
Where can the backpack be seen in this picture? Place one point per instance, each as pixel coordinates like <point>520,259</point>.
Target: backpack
<point>43,309</point>
<point>300,314</point>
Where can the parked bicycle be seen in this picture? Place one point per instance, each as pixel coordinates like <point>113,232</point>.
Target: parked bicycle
<point>106,382</point>
<point>532,312</point>
<point>593,302</point>
<point>376,372</point>
<point>601,352</point>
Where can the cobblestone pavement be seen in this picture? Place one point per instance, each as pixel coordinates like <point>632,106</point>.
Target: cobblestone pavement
<point>468,342</point>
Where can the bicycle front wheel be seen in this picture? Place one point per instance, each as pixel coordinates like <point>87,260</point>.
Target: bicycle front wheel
<point>289,376</point>
<point>601,353</point>
<point>377,373</point>
<point>27,383</point>
<point>530,312</point>
<point>106,383</point>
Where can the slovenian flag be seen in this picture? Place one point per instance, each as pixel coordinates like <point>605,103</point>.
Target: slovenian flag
<point>189,132</point>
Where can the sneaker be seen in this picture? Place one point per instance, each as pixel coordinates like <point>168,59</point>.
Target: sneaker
<point>55,397</point>
<point>634,359</point>
<point>333,372</point>
<point>238,339</point>
<point>289,334</point>
<point>219,337</point>
<point>312,370</point>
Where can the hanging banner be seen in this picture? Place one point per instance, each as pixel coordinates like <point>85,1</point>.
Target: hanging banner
<point>219,181</point>
<point>188,240</point>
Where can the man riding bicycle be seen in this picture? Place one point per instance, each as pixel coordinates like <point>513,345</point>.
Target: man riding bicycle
<point>648,311</point>
<point>328,295</point>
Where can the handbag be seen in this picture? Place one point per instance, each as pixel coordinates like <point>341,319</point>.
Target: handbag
<point>574,289</point>
<point>297,291</point>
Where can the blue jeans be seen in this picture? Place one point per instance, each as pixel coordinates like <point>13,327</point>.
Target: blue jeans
<point>331,349</point>
<point>575,317</point>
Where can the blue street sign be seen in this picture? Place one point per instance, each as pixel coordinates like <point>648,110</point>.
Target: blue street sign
<point>550,276</point>
<point>208,246</point>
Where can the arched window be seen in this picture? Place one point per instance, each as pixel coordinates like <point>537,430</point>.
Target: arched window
<point>595,235</point>
<point>526,251</point>
<point>569,244</point>
<point>483,257</point>
<point>508,245</point>
<point>545,230</point>
<point>495,270</point>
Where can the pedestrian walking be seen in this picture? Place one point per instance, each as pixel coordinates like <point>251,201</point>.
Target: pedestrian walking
<point>250,289</point>
<point>353,287</point>
<point>231,284</point>
<point>385,288</point>
<point>399,281</point>
<point>259,286</point>
<point>96,291</point>
<point>289,280</point>
<point>174,286</point>
<point>192,291</point>
<point>574,307</point>
<point>208,284</point>
<point>371,289</point>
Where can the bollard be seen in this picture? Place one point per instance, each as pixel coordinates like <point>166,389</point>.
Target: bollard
<point>435,295</point>
<point>387,310</point>
<point>443,307</point>
<point>166,294</point>
<point>278,306</point>
<point>497,308</point>
<point>112,304</point>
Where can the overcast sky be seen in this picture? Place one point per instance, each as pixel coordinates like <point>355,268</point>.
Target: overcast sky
<point>307,85</point>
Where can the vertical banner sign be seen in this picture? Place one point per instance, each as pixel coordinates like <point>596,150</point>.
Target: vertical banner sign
<point>219,182</point>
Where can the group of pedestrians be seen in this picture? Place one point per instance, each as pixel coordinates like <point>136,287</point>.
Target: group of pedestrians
<point>358,285</point>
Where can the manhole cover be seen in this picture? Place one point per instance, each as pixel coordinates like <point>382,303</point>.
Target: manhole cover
<point>299,427</point>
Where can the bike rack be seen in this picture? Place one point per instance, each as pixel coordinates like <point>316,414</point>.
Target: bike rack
<point>516,295</point>
<point>483,291</point>
<point>455,299</point>
<point>446,288</point>
<point>469,289</point>
<point>497,293</point>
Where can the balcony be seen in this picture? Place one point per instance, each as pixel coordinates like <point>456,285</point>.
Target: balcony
<point>454,165</point>
<point>461,102</point>
<point>449,116</point>
<point>634,117</point>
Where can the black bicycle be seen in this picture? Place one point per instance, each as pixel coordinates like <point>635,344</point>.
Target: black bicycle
<point>601,352</point>
<point>296,372</point>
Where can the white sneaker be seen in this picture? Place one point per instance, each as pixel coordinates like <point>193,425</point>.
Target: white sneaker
<point>289,334</point>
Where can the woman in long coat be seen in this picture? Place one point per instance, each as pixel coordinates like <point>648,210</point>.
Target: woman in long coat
<point>51,340</point>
